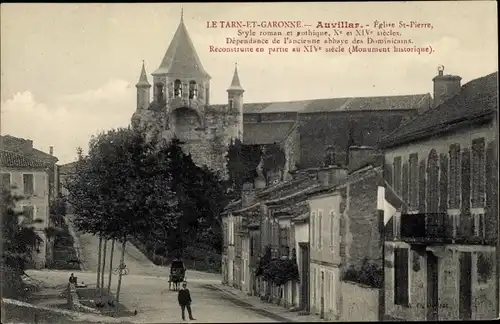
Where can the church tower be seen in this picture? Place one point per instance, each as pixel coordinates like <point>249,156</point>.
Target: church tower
<point>143,90</point>
<point>235,106</point>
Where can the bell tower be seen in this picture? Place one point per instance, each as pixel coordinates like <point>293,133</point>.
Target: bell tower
<point>235,105</point>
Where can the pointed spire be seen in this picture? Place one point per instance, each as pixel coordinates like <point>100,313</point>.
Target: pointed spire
<point>235,83</point>
<point>143,79</point>
<point>181,58</point>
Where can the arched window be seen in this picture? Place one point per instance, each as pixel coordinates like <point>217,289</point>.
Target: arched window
<point>159,92</point>
<point>432,182</point>
<point>178,88</point>
<point>193,90</point>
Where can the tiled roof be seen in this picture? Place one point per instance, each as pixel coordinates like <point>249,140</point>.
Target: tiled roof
<point>181,58</point>
<point>10,159</point>
<point>25,147</point>
<point>341,104</point>
<point>266,132</point>
<point>68,167</point>
<point>476,98</point>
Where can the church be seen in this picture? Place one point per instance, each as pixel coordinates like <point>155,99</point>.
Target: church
<point>301,131</point>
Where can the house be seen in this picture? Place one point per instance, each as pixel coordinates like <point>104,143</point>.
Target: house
<point>345,239</point>
<point>440,245</point>
<point>29,178</point>
<point>65,171</point>
<point>25,147</point>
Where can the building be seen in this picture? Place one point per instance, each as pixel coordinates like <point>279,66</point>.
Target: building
<point>29,178</point>
<point>440,249</point>
<point>298,130</point>
<point>345,240</point>
<point>65,171</point>
<point>25,147</point>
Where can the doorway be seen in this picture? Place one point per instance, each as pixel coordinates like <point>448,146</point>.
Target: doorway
<point>304,281</point>
<point>432,287</point>
<point>465,290</point>
<point>322,311</point>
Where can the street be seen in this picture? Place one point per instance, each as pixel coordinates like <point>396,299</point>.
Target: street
<point>146,290</point>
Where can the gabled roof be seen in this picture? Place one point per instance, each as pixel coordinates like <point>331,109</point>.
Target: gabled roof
<point>477,99</point>
<point>10,159</point>
<point>406,102</point>
<point>266,132</point>
<point>181,58</point>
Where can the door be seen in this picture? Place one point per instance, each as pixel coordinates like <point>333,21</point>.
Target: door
<point>465,293</point>
<point>432,287</point>
<point>322,312</point>
<point>304,281</point>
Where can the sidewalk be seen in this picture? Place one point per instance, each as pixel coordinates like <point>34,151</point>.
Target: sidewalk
<point>278,313</point>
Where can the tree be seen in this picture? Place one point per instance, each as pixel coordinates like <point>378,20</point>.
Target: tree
<point>19,240</point>
<point>242,162</point>
<point>120,189</point>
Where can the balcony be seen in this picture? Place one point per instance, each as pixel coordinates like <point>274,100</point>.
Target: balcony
<point>442,228</point>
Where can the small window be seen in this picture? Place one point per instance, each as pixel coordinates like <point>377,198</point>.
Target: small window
<point>332,229</point>
<point>320,232</point>
<point>28,183</point>
<point>397,175</point>
<point>231,104</point>
<point>6,181</point>
<point>193,90</point>
<point>159,92</point>
<point>178,88</point>
<point>28,213</point>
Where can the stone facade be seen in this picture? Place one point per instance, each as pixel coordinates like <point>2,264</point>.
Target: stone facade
<point>449,172</point>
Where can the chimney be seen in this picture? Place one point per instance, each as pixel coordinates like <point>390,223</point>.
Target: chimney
<point>445,86</point>
<point>247,194</point>
<point>51,150</point>
<point>332,175</point>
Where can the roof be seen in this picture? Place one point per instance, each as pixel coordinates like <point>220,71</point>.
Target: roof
<point>143,78</point>
<point>477,98</point>
<point>68,167</point>
<point>301,218</point>
<point>405,102</point>
<point>235,83</point>
<point>10,159</point>
<point>266,132</point>
<point>25,147</point>
<point>181,58</point>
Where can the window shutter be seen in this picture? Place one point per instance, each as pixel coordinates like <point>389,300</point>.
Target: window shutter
<point>404,189</point>
<point>401,276</point>
<point>413,181</point>
<point>478,172</point>
<point>432,182</point>
<point>491,222</point>
<point>465,218</point>
<point>320,231</point>
<point>421,186</point>
<point>397,175</point>
<point>443,185</point>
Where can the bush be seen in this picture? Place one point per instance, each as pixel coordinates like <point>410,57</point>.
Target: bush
<point>368,274</point>
<point>281,271</point>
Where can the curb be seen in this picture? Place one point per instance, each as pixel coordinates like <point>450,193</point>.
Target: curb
<point>235,300</point>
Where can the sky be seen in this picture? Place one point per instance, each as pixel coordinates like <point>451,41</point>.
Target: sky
<point>68,71</point>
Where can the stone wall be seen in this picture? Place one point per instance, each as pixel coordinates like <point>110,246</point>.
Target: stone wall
<point>320,130</point>
<point>359,303</point>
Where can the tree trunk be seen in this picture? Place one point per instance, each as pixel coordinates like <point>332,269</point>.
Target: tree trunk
<point>103,265</point>
<point>99,263</point>
<point>111,266</point>
<point>120,272</point>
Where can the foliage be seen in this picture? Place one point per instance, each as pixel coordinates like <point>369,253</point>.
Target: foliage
<point>242,162</point>
<point>368,274</point>
<point>273,158</point>
<point>120,188</point>
<point>280,271</point>
<point>264,261</point>
<point>18,240</point>
<point>57,210</point>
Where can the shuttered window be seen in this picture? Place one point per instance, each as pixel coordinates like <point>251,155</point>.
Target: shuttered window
<point>313,228</point>
<point>478,172</point>
<point>454,173</point>
<point>29,185</point>
<point>6,181</point>
<point>397,175</point>
<point>413,181</point>
<point>320,231</point>
<point>401,276</point>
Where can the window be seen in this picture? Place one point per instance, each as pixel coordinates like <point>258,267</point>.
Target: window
<point>284,242</point>
<point>454,181</point>
<point>332,229</point>
<point>159,92</point>
<point>193,90</point>
<point>251,246</point>
<point>432,182</point>
<point>28,183</point>
<point>313,228</point>
<point>320,232</point>
<point>28,213</point>
<point>413,181</point>
<point>397,175</point>
<point>231,104</point>
<point>478,172</point>
<point>401,276</point>
<point>178,88</point>
<point>6,181</point>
